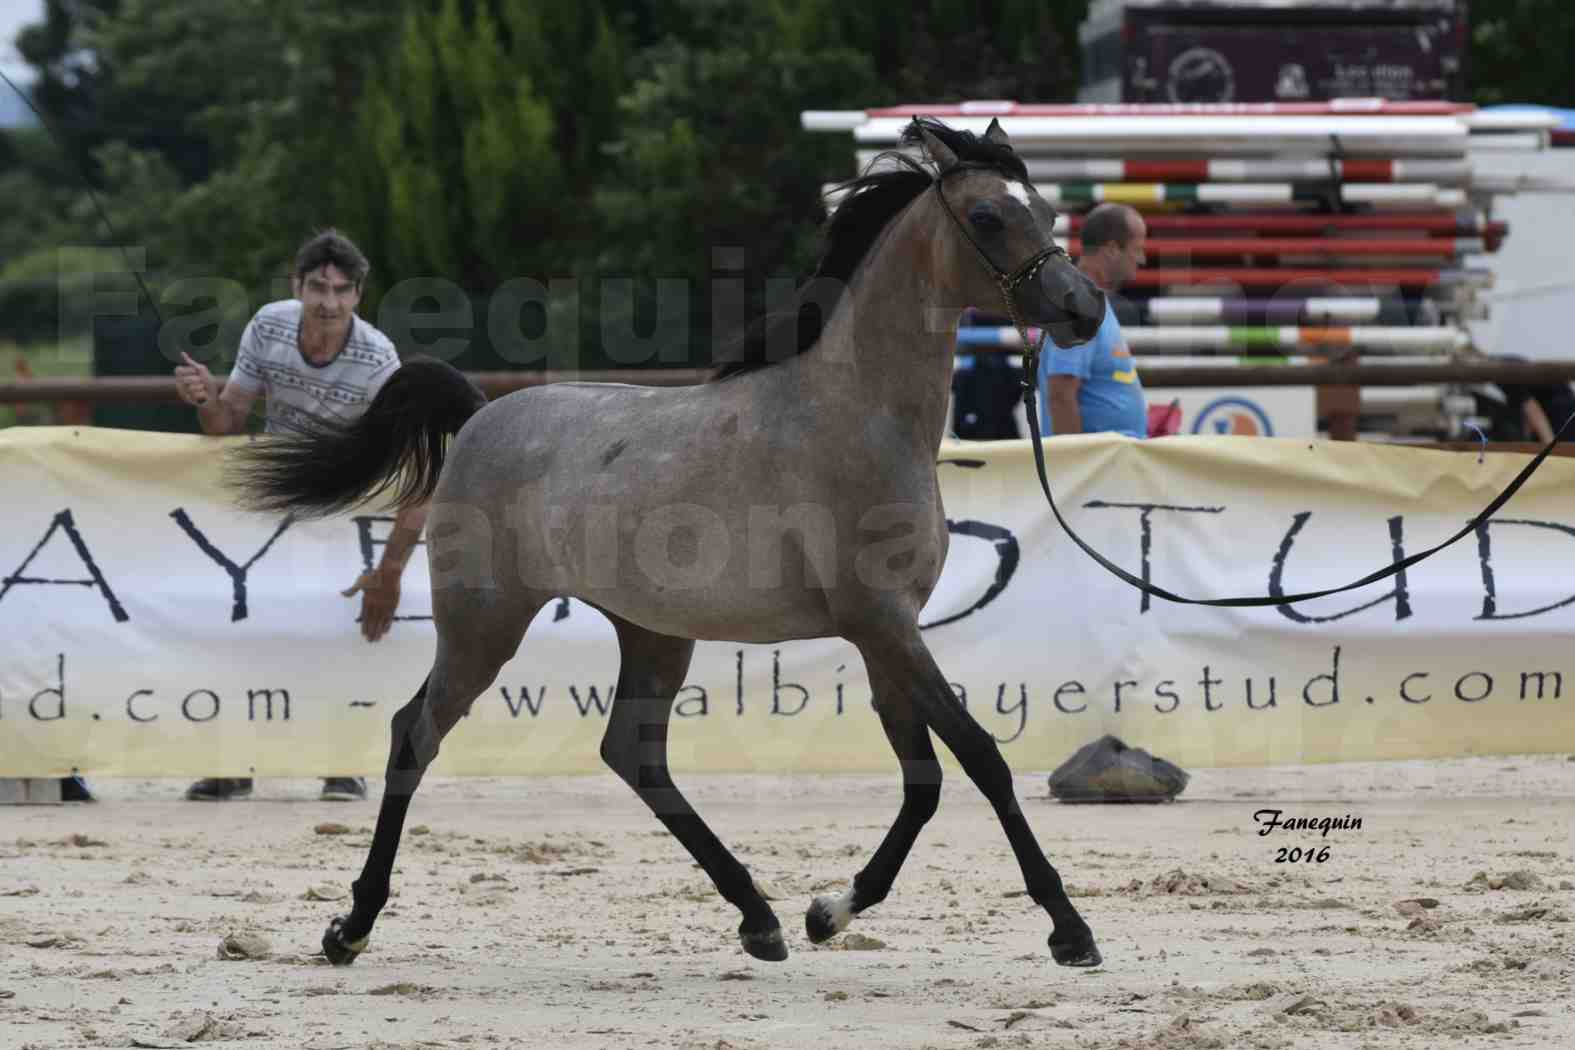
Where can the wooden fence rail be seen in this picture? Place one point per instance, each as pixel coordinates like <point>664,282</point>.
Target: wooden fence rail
<point>125,389</point>
<point>159,388</point>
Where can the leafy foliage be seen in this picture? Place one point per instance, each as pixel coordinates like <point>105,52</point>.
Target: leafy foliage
<point>645,154</point>
<point>1517,49</point>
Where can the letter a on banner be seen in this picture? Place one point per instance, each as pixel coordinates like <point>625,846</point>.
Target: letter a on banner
<point>63,520</point>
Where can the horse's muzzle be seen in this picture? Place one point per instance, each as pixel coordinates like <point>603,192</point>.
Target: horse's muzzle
<point>1072,306</point>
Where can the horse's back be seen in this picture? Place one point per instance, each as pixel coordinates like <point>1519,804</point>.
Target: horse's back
<point>578,430</point>
<point>638,500</point>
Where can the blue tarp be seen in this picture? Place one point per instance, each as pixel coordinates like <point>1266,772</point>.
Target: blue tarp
<point>1567,116</point>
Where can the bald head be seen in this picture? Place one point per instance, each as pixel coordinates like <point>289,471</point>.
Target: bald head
<point>1110,224</point>
<point>1113,237</point>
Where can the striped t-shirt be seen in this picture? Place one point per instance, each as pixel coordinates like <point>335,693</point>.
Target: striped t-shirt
<point>298,392</point>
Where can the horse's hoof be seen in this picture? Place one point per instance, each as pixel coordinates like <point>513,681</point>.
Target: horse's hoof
<point>1082,952</point>
<point>820,921</point>
<point>767,945</point>
<point>341,952</point>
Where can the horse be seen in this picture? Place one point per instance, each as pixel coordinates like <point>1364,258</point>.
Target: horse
<point>792,495</point>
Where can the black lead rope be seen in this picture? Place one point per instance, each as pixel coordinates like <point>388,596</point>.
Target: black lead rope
<point>1030,369</point>
<point>1008,282</point>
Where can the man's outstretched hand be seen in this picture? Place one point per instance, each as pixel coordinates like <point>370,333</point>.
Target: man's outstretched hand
<point>194,383</point>
<point>379,589</point>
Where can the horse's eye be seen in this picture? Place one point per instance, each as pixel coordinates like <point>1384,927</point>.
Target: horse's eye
<point>985,219</point>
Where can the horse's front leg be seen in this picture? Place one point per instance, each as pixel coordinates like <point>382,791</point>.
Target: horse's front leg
<point>921,794</point>
<point>651,671</point>
<point>902,657</point>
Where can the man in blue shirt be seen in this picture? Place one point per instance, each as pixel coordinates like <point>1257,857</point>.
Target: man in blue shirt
<point>1095,387</point>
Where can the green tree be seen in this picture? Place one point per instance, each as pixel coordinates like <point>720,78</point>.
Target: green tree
<point>712,171</point>
<point>249,101</point>
<point>480,140</point>
<point>947,51</point>
<point>576,57</point>
<point>711,155</point>
<point>176,76</point>
<point>212,129</point>
<point>1512,44</point>
<point>458,172</point>
<point>66,85</point>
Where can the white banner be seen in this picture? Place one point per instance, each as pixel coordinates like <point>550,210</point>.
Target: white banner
<point>151,629</point>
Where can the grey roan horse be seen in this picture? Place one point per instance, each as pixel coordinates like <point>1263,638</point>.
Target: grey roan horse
<point>823,433</point>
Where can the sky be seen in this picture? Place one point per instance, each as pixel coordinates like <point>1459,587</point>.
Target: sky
<point>14,14</point>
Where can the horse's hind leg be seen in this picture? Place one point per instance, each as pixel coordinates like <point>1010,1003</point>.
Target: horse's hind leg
<point>903,657</point>
<point>650,673</point>
<point>921,794</point>
<point>458,676</point>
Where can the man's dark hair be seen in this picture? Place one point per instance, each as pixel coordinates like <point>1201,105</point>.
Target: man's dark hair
<point>331,246</point>
<point>1106,224</point>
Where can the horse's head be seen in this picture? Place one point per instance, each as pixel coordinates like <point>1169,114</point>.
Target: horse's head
<point>1007,236</point>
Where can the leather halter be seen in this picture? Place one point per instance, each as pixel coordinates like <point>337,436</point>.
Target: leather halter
<point>1006,282</point>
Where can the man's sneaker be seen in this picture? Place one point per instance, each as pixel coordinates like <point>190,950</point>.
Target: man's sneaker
<point>344,789</point>
<point>75,789</point>
<point>220,789</point>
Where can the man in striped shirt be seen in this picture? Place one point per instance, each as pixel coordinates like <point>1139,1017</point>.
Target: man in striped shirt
<point>313,360</point>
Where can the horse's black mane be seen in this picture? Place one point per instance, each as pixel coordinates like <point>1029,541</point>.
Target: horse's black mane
<point>870,201</point>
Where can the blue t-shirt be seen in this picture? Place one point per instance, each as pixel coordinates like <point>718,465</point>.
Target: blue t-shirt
<point>1111,395</point>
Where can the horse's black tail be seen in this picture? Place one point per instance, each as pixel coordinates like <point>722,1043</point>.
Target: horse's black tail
<point>398,444</point>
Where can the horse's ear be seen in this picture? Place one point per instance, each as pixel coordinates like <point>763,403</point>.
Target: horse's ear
<point>940,153</point>
<point>997,134</point>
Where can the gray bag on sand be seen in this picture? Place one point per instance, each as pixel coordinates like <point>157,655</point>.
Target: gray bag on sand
<point>1109,771</point>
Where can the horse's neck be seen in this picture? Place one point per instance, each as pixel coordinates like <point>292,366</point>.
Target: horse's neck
<point>894,337</point>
